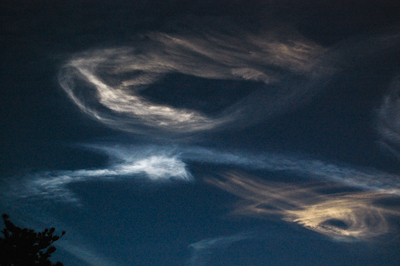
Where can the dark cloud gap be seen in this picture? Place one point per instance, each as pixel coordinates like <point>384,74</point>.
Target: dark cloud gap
<point>348,134</point>
<point>155,213</point>
<point>206,95</point>
<point>337,17</point>
<point>41,156</point>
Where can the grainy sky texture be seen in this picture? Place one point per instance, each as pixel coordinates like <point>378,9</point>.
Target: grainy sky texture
<point>201,133</point>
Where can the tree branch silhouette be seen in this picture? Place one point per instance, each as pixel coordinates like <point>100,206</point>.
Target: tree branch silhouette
<point>25,247</point>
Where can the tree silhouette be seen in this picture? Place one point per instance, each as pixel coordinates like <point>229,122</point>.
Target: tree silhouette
<point>25,247</point>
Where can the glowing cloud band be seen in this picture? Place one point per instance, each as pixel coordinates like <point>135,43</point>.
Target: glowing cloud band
<point>161,164</point>
<point>370,179</point>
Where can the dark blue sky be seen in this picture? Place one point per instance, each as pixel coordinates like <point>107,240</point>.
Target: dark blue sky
<point>204,132</point>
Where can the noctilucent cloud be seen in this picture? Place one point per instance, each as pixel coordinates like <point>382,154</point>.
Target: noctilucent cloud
<point>198,133</point>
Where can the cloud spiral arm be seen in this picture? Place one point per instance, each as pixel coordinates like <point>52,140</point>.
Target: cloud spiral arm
<point>343,216</point>
<point>106,83</point>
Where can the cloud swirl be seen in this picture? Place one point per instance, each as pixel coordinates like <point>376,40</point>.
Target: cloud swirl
<point>106,84</point>
<point>342,216</point>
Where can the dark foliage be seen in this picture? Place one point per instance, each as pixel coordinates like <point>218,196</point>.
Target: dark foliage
<point>25,247</point>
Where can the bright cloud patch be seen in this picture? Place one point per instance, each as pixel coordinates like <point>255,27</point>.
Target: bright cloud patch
<point>157,167</point>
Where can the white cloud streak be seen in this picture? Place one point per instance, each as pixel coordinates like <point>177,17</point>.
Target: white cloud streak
<point>85,254</point>
<point>203,249</point>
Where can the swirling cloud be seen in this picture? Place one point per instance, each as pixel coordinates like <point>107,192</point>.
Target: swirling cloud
<point>342,216</point>
<point>106,83</point>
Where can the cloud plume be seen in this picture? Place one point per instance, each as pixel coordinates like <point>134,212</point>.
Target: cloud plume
<point>342,216</point>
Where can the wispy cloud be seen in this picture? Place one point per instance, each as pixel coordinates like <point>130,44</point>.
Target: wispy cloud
<point>164,163</point>
<point>149,164</point>
<point>203,250</point>
<point>106,83</point>
<point>88,255</point>
<point>388,119</point>
<point>343,216</point>
<point>371,179</point>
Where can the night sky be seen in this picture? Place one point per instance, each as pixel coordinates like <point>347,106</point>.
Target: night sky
<point>203,132</point>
